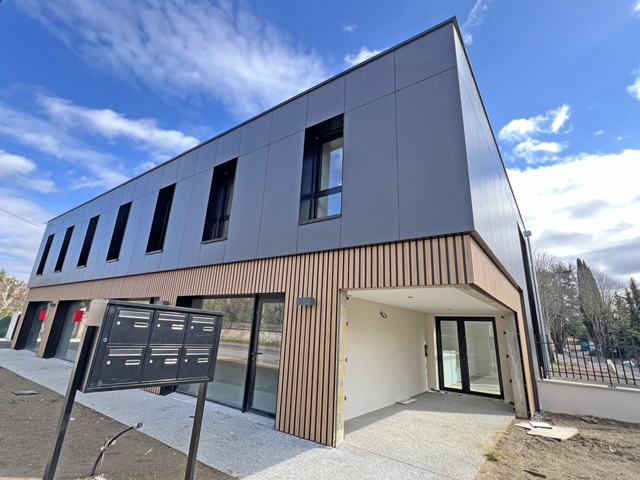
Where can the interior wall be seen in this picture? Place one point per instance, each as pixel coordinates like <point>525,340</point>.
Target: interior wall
<point>385,356</point>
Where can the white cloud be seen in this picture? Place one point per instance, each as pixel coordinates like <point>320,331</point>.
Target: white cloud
<point>349,28</point>
<point>11,164</point>
<point>634,90</point>
<point>636,7</point>
<point>578,208</point>
<point>110,124</point>
<point>183,48</point>
<point>40,135</point>
<point>20,241</point>
<point>360,57</point>
<point>522,134</point>
<point>599,132</point>
<point>474,20</point>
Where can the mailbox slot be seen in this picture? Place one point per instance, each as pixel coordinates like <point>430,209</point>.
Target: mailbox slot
<point>201,330</point>
<point>121,365</point>
<point>130,327</point>
<point>161,363</point>
<point>194,363</point>
<point>168,329</point>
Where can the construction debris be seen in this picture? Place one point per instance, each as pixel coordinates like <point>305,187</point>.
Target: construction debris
<point>24,392</point>
<point>555,432</point>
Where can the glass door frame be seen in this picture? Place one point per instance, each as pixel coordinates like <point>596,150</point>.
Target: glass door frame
<point>249,384</point>
<point>464,360</point>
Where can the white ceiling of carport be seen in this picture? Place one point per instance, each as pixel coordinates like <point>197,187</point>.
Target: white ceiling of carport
<point>436,300</point>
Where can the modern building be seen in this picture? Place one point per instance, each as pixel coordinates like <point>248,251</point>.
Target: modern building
<point>362,237</point>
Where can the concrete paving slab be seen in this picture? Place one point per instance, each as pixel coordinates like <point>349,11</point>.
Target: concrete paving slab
<point>446,434</point>
<point>385,444</point>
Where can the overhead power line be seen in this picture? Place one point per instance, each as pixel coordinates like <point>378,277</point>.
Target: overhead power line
<point>24,220</point>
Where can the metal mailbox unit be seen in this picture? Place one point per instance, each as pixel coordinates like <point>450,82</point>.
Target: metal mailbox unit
<point>149,345</point>
<point>132,345</point>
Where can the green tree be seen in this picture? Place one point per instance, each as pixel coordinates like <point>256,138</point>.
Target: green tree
<point>13,294</point>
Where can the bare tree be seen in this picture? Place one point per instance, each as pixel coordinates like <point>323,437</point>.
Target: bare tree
<point>557,288</point>
<point>598,294</point>
<point>13,293</point>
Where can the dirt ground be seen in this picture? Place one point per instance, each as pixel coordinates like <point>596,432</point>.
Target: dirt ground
<point>27,428</point>
<point>602,449</point>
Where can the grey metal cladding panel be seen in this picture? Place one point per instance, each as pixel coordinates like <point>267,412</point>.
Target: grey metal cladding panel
<point>79,232</point>
<point>141,229</point>
<point>212,253</point>
<point>97,206</point>
<point>280,210</point>
<point>142,183</point>
<point>316,236</point>
<point>50,277</point>
<point>370,175</point>
<point>256,134</point>
<point>370,82</point>
<point>433,180</point>
<point>109,222</point>
<point>151,262</point>
<point>207,156</point>
<point>194,224</point>
<point>246,206</point>
<point>33,279</point>
<point>175,228</point>
<point>425,57</point>
<point>290,118</point>
<point>326,102</point>
<point>155,180</point>
<point>121,267</point>
<point>170,174</point>
<point>229,146</point>
<point>116,198</point>
<point>188,164</point>
<point>129,192</point>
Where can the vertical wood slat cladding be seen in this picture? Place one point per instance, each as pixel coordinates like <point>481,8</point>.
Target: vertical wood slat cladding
<point>306,404</point>
<point>489,278</point>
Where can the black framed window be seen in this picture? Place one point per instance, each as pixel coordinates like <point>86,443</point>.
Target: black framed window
<point>216,222</point>
<point>160,219</point>
<point>88,241</point>
<point>118,232</point>
<point>45,255</point>
<point>321,192</point>
<point>63,250</point>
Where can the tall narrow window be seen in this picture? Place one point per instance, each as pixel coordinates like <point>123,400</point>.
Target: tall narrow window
<point>160,219</point>
<point>45,254</point>
<point>216,222</point>
<point>63,249</point>
<point>88,241</point>
<point>118,232</point>
<point>321,192</point>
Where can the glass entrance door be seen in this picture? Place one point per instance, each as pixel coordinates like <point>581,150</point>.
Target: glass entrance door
<point>37,327</point>
<point>467,356</point>
<point>262,388</point>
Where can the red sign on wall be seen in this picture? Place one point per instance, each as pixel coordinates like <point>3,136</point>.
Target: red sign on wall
<point>42,315</point>
<point>77,315</point>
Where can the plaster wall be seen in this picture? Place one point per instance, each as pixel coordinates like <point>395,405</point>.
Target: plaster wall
<point>385,356</point>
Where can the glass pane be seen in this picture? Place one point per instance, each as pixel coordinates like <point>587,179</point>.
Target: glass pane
<point>72,330</point>
<point>231,365</point>
<point>450,354</point>
<point>265,388</point>
<point>37,327</point>
<point>482,358</point>
<point>329,205</point>
<point>331,168</point>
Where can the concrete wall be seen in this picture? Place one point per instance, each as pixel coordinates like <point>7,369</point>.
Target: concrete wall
<point>404,174</point>
<point>618,403</point>
<point>385,356</point>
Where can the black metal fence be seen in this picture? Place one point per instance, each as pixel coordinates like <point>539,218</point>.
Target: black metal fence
<point>590,362</point>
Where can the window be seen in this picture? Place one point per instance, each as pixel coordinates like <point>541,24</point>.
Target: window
<point>118,232</point>
<point>321,192</point>
<point>88,241</point>
<point>160,219</point>
<point>216,222</point>
<point>63,249</point>
<point>45,254</point>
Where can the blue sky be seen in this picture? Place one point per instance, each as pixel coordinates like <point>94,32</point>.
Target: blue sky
<point>93,92</point>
